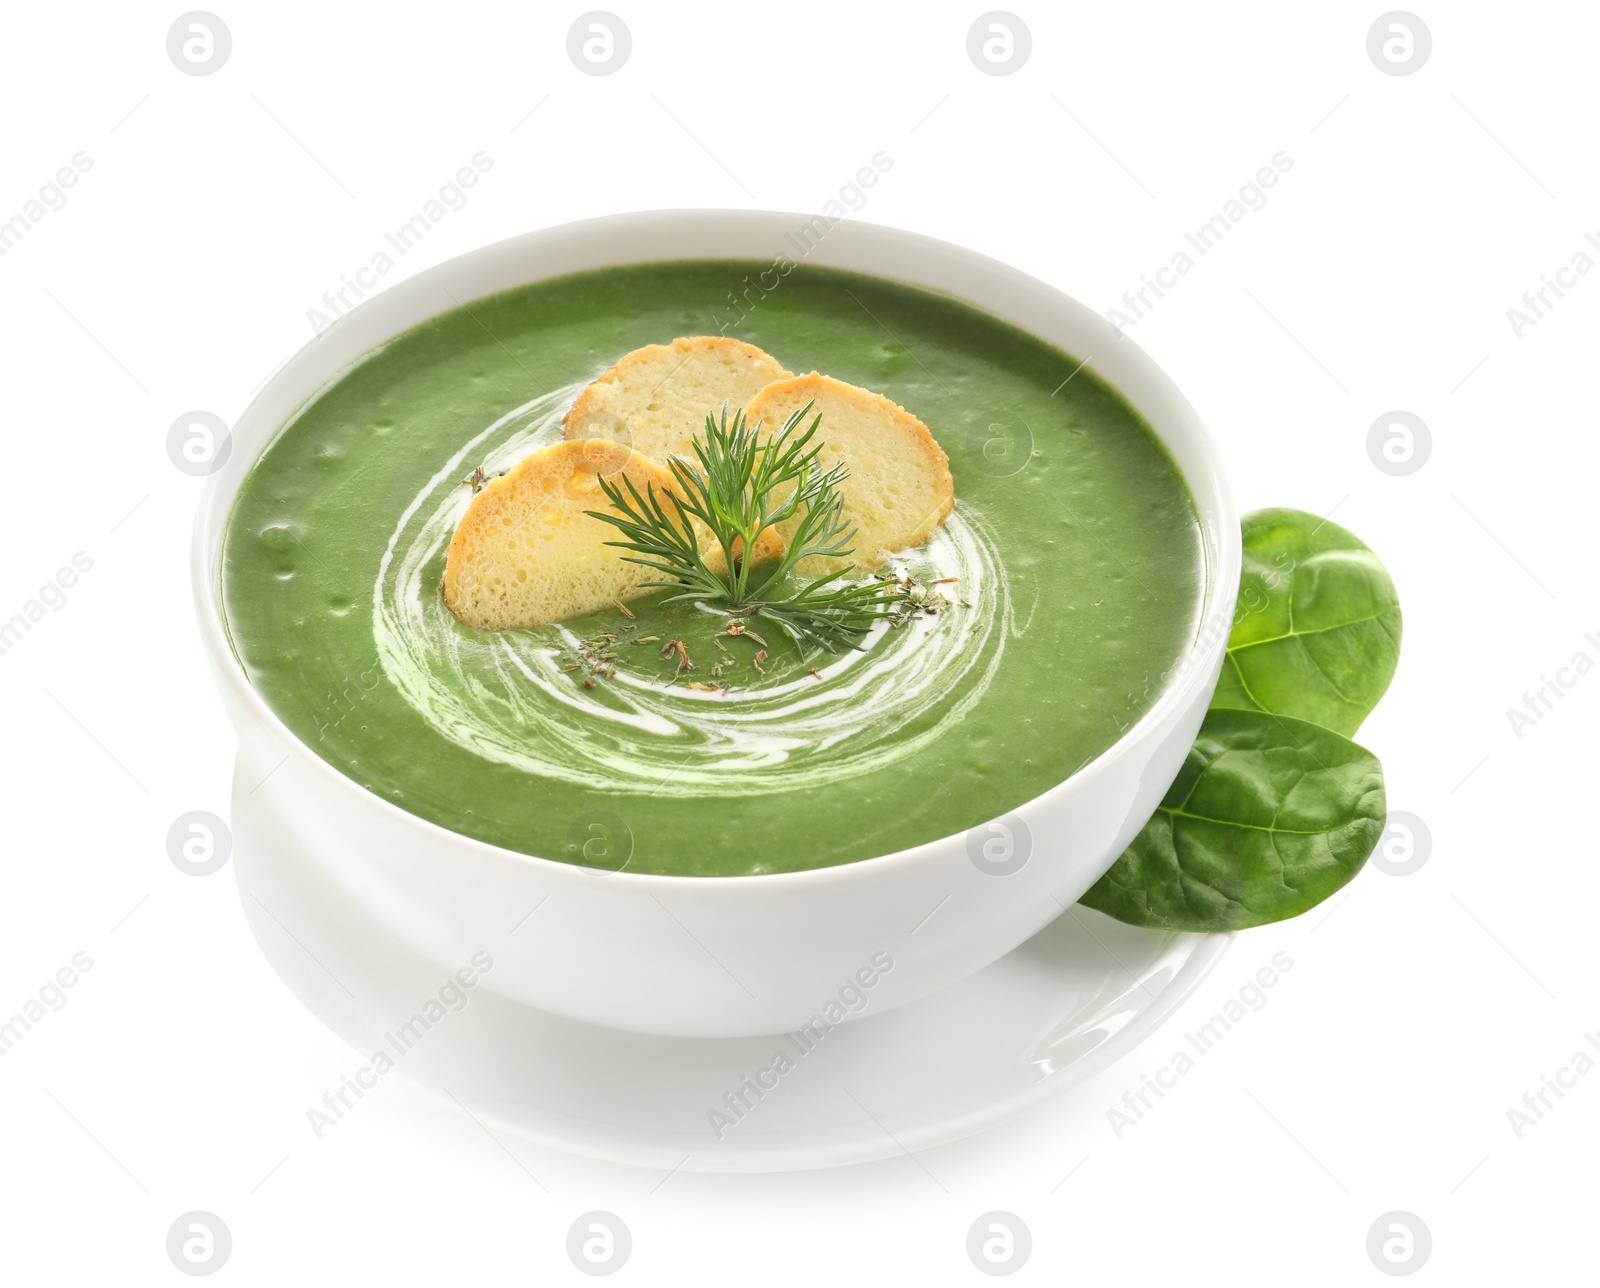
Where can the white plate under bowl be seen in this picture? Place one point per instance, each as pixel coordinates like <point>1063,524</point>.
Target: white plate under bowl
<point>1080,994</point>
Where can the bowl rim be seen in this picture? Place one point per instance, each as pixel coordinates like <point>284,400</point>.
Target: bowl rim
<point>1192,671</point>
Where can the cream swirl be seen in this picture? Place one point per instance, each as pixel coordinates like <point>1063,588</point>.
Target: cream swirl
<point>505,697</point>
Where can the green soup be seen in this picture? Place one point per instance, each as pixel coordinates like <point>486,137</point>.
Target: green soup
<point>1074,542</point>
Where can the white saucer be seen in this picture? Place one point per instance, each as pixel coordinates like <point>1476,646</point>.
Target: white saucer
<point>1080,994</point>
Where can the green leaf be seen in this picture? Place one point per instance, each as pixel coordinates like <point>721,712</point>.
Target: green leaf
<point>1268,817</point>
<point>1317,632</point>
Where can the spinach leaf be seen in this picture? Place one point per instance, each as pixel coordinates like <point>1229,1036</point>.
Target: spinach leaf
<point>1268,817</point>
<point>1317,631</point>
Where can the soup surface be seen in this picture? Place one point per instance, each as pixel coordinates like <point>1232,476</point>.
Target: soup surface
<point>1074,545</point>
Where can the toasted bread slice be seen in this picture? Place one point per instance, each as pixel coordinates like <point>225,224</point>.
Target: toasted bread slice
<point>526,553</point>
<point>899,490</point>
<point>655,399</point>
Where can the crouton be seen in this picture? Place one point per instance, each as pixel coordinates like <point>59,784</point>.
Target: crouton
<point>655,399</point>
<point>899,490</point>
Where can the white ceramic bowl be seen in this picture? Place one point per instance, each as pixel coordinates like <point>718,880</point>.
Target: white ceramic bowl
<point>720,956</point>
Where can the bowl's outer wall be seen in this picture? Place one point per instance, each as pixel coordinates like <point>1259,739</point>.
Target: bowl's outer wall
<point>735,955</point>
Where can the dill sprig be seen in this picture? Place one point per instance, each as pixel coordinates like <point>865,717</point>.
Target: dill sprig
<point>738,486</point>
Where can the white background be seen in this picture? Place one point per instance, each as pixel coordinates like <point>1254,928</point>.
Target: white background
<point>1419,1009</point>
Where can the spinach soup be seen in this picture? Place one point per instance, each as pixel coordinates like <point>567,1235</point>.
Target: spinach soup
<point>1038,623</point>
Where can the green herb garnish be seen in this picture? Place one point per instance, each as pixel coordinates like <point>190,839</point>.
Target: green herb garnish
<point>480,479</point>
<point>739,487</point>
